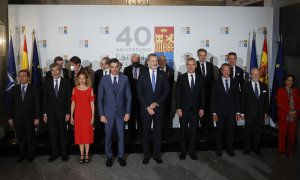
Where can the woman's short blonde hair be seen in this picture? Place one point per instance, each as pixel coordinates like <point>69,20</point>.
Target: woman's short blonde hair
<point>87,76</point>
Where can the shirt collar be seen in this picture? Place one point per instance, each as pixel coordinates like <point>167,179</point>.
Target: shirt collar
<point>24,85</point>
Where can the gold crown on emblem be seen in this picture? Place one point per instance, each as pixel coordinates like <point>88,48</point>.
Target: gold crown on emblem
<point>164,30</point>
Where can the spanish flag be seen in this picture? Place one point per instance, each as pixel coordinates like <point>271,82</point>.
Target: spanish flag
<point>24,63</point>
<point>263,68</point>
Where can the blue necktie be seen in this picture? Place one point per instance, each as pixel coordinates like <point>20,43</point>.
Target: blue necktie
<point>153,81</point>
<point>115,85</point>
<point>226,86</point>
<point>256,90</point>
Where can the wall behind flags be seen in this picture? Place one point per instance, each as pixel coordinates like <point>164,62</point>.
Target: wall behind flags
<point>94,31</point>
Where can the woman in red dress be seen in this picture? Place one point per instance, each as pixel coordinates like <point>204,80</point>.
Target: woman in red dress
<point>288,103</point>
<point>82,114</point>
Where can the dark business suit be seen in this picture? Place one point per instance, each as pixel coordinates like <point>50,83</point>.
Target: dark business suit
<point>190,101</point>
<point>254,110</point>
<point>239,76</point>
<point>56,108</point>
<point>226,106</point>
<point>65,74</point>
<point>114,105</point>
<point>206,121</point>
<point>23,113</point>
<point>166,123</point>
<point>135,117</point>
<point>146,97</point>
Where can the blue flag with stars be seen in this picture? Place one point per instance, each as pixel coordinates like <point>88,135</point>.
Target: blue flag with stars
<point>277,83</point>
<point>36,71</point>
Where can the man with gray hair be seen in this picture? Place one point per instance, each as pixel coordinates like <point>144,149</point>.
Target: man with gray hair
<point>56,110</point>
<point>254,109</point>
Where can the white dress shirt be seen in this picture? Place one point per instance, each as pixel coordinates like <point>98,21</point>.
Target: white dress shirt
<point>190,78</point>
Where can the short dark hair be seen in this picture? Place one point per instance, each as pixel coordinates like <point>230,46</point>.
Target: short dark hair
<point>114,60</point>
<point>201,50</point>
<point>26,71</point>
<point>75,60</point>
<point>286,77</point>
<point>58,58</point>
<point>53,65</point>
<point>232,54</point>
<point>152,54</point>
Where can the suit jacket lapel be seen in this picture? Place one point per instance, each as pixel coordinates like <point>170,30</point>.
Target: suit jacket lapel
<point>26,92</point>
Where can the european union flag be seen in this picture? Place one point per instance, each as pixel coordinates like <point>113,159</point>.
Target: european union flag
<point>253,59</point>
<point>277,82</point>
<point>36,77</point>
<point>11,67</point>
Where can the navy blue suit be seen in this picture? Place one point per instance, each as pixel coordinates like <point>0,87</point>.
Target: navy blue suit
<point>146,97</point>
<point>114,106</point>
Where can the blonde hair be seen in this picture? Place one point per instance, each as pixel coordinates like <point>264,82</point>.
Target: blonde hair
<point>87,76</point>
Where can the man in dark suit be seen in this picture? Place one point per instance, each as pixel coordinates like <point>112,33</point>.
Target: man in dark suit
<point>190,104</point>
<point>56,110</point>
<point>237,73</point>
<point>225,107</point>
<point>166,123</point>
<point>75,68</point>
<point>64,73</point>
<point>206,70</point>
<point>152,91</point>
<point>114,102</point>
<point>24,114</point>
<point>132,72</point>
<point>254,109</point>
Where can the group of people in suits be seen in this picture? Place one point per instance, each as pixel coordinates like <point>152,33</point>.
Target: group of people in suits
<point>141,98</point>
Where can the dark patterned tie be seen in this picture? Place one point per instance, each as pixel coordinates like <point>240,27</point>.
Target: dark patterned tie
<point>135,73</point>
<point>226,86</point>
<point>23,92</point>
<point>115,85</point>
<point>256,91</point>
<point>203,69</point>
<point>192,82</point>
<point>153,81</point>
<point>56,87</point>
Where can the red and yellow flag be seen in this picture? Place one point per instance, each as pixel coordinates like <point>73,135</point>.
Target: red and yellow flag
<point>24,63</point>
<point>164,39</point>
<point>263,68</point>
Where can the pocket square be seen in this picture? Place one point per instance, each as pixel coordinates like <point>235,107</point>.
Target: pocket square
<point>264,91</point>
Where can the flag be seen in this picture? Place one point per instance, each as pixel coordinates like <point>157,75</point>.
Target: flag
<point>24,63</point>
<point>36,77</point>
<point>11,67</point>
<point>277,82</point>
<point>263,68</point>
<point>253,58</point>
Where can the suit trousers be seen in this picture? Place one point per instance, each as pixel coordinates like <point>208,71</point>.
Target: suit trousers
<point>109,127</point>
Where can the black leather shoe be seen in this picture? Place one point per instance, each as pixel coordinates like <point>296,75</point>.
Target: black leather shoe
<point>146,160</point>
<point>65,158</point>
<point>21,158</point>
<point>258,152</point>
<point>109,162</point>
<point>52,158</point>
<point>219,153</point>
<point>182,156</point>
<point>193,156</point>
<point>231,153</point>
<point>122,162</point>
<point>246,152</point>
<point>31,158</point>
<point>158,160</point>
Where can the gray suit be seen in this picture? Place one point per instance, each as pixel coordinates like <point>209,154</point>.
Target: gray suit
<point>114,104</point>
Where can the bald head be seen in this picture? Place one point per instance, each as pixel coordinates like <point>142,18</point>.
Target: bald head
<point>254,74</point>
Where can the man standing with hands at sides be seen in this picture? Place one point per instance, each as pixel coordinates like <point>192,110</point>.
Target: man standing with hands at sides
<point>225,107</point>
<point>152,91</point>
<point>114,102</point>
<point>190,104</point>
<point>24,114</point>
<point>56,109</point>
<point>236,72</point>
<point>132,72</point>
<point>254,109</point>
<point>205,69</point>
